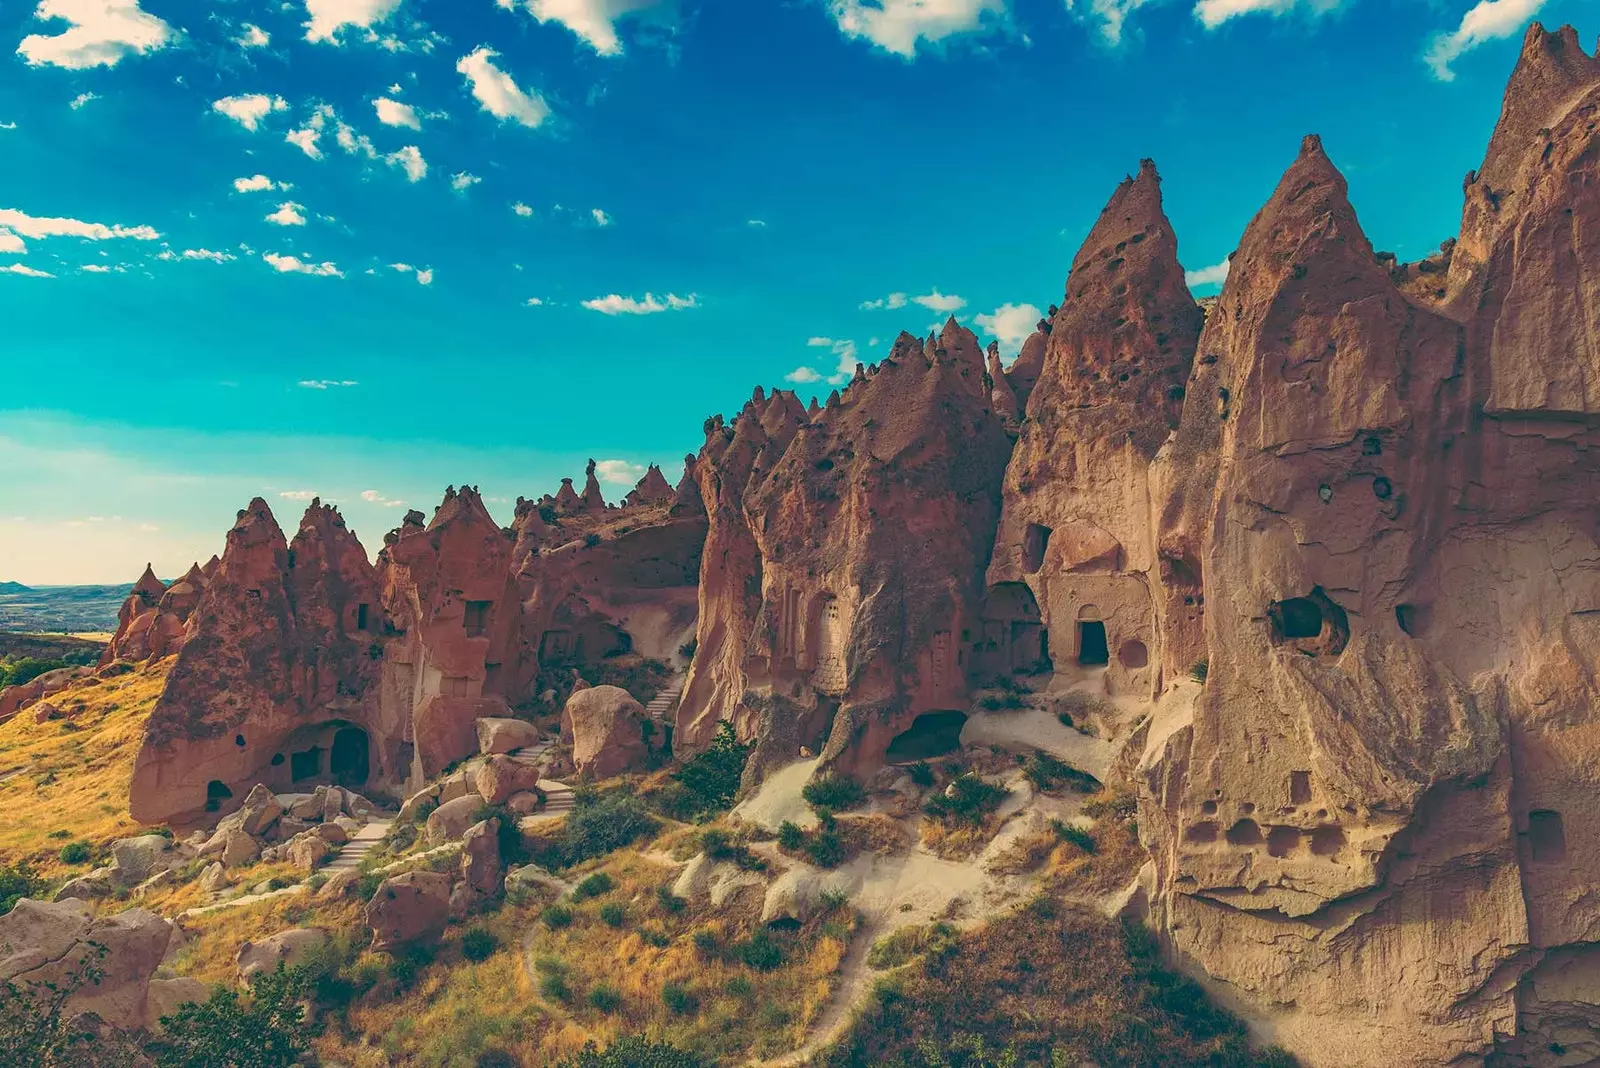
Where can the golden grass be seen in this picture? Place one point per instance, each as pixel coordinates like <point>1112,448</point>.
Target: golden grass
<point>954,839</point>
<point>74,774</point>
<point>214,939</point>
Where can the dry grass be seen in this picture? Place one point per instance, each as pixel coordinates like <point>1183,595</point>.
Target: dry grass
<point>214,939</point>
<point>74,774</point>
<point>1029,853</point>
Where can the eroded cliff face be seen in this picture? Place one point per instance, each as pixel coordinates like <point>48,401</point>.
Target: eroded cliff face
<point>1375,824</point>
<point>152,622</point>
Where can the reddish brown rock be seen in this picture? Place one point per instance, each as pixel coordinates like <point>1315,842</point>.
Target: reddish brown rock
<point>653,488</point>
<point>408,908</point>
<point>498,777</point>
<point>606,728</point>
<point>150,623</point>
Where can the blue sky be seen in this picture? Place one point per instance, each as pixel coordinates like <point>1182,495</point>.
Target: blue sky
<point>367,248</point>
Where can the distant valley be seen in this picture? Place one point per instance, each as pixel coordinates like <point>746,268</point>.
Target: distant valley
<point>60,609</point>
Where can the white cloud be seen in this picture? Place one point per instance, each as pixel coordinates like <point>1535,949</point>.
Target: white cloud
<point>299,495</point>
<point>328,17</point>
<point>1488,20</point>
<point>616,304</point>
<point>842,348</point>
<point>1213,13</point>
<point>11,244</point>
<point>409,159</point>
<point>207,254</point>
<point>802,375</point>
<point>890,303</point>
<point>307,138</point>
<point>533,302</point>
<point>499,95</point>
<point>424,275</point>
<point>1214,275</point>
<point>600,217</point>
<point>101,33</point>
<point>1109,15</point>
<point>357,144</point>
<point>394,113</point>
<point>24,269</point>
<point>374,497</point>
<point>288,214</point>
<point>326,383</point>
<point>898,26</point>
<point>250,109</point>
<point>594,21</point>
<point>939,302</point>
<point>756,224</point>
<point>95,268</point>
<point>620,472</point>
<point>8,126</point>
<point>258,183</point>
<point>32,226</point>
<point>463,181</point>
<point>522,209</point>
<point>252,36</point>
<point>81,99</point>
<point>295,265</point>
<point>1010,324</point>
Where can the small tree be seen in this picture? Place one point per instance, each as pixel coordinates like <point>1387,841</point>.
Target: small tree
<point>633,1052</point>
<point>226,1031</point>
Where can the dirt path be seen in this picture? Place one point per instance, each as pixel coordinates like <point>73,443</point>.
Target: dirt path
<point>856,980</point>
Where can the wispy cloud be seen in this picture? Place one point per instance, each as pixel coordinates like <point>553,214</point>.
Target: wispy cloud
<point>394,113</point>
<point>25,270</point>
<point>288,214</point>
<point>1488,20</point>
<point>619,472</point>
<point>498,94</point>
<point>594,21</point>
<point>248,110</point>
<point>1214,275</point>
<point>99,34</point>
<point>463,181</point>
<point>423,275</point>
<point>299,495</point>
<point>615,304</point>
<point>900,26</point>
<point>409,159</point>
<point>890,303</point>
<point>39,227</point>
<point>284,264</point>
<point>252,36</point>
<point>258,183</point>
<point>372,496</point>
<point>1010,324</point>
<point>326,383</point>
<point>77,102</point>
<point>329,17</point>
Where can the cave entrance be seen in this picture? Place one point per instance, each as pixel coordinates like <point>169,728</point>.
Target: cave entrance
<point>216,793</point>
<point>306,764</point>
<point>1092,648</point>
<point>348,760</point>
<point>1013,640</point>
<point>930,734</point>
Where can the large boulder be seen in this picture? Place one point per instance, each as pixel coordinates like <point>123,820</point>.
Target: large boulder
<point>259,811</point>
<point>136,859</point>
<point>505,735</point>
<point>289,948</point>
<point>95,885</point>
<point>606,726</point>
<point>450,820</point>
<point>238,849</point>
<point>307,851</point>
<point>165,996</point>
<point>43,942</point>
<point>480,857</point>
<point>704,879</point>
<point>408,907</point>
<point>499,777</point>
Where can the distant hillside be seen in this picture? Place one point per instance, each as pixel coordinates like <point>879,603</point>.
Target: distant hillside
<point>60,609</point>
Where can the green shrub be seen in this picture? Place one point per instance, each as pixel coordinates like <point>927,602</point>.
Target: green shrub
<point>1045,772</point>
<point>63,833</point>
<point>229,1031</point>
<point>655,937</point>
<point>605,998</point>
<point>599,825</point>
<point>75,853</point>
<point>760,951</point>
<point>710,781</point>
<point>424,809</point>
<point>479,944</point>
<point>1201,669</point>
<point>707,944</point>
<point>552,978</point>
<point>1076,835</point>
<point>556,917</point>
<point>678,1000</point>
<point>17,882</point>
<point>668,901</point>
<point>834,792</point>
<point>1001,702</point>
<point>738,987</point>
<point>826,849</point>
<point>790,837</point>
<point>613,914</point>
<point>921,774</point>
<point>904,945</point>
<point>633,1052</point>
<point>592,886</point>
<point>1122,806</point>
<point>367,885</point>
<point>969,799</point>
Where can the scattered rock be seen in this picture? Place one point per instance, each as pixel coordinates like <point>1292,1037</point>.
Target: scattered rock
<point>480,857</point>
<point>450,821</point>
<point>505,735</point>
<point>408,907</point>
<point>288,948</point>
<point>500,776</point>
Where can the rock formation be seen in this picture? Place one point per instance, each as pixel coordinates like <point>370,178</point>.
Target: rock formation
<point>151,622</point>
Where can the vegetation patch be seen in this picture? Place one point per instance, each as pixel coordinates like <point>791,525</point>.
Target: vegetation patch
<point>835,792</point>
<point>705,785</point>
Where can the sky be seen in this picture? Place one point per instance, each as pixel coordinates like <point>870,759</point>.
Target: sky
<point>365,249</point>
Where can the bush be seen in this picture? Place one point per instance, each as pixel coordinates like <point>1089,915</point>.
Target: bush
<point>35,1029</point>
<point>833,792</point>
<point>605,998</point>
<point>687,649</point>
<point>478,945</point>
<point>668,901</point>
<point>738,987</point>
<point>591,540</point>
<point>592,886</point>
<point>790,837</point>
<point>17,882</point>
<point>710,781</point>
<point>826,849</point>
<point>227,1031</point>
<point>1120,806</point>
<point>598,825</point>
<point>1201,668</point>
<point>678,1000</point>
<point>921,774</point>
<point>1076,835</point>
<point>1001,702</point>
<point>655,937</point>
<point>760,951</point>
<point>904,945</point>
<point>75,853</point>
<point>26,669</point>
<point>633,1052</point>
<point>707,944</point>
<point>557,917</point>
<point>613,914</point>
<point>1045,772</point>
<point>969,799</point>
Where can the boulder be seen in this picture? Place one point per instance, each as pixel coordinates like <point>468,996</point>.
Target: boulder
<point>289,948</point>
<point>44,943</point>
<point>308,806</point>
<point>259,811</point>
<point>164,997</point>
<point>480,857</point>
<point>239,849</point>
<point>332,804</point>
<point>525,803</point>
<point>606,726</point>
<point>450,820</point>
<point>529,879</point>
<point>215,878</point>
<point>135,859</point>
<point>499,777</point>
<point>704,880</point>
<point>408,907</point>
<point>307,851</point>
<point>798,894</point>
<point>505,735</point>
<point>332,833</point>
<point>95,885</point>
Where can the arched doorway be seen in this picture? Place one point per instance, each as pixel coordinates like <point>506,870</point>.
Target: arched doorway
<point>930,734</point>
<point>348,759</point>
<point>1093,650</point>
<point>1013,639</point>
